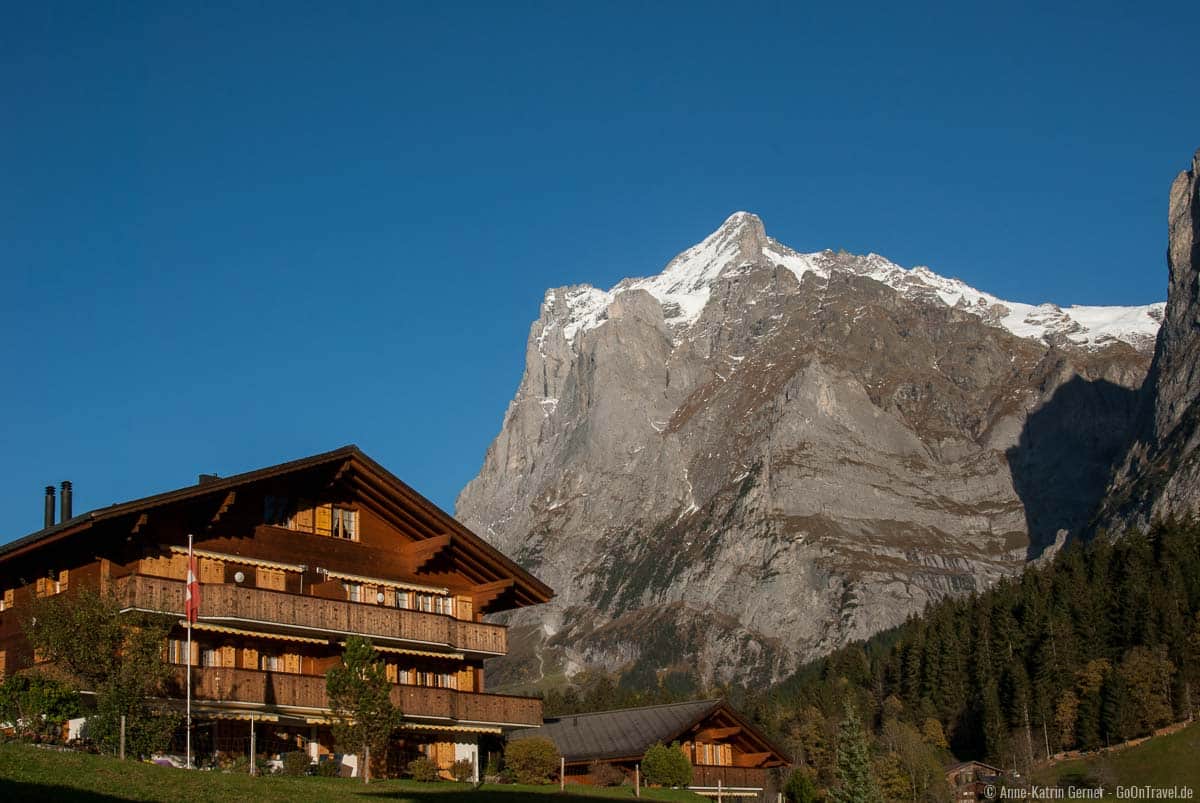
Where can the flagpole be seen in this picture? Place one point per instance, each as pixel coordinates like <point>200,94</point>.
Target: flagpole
<point>188,616</point>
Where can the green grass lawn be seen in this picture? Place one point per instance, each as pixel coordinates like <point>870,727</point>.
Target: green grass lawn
<point>28,773</point>
<point>1172,760</point>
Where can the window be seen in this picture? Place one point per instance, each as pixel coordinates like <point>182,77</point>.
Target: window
<point>354,592</point>
<point>327,519</point>
<point>443,605</point>
<point>345,524</point>
<point>275,510</point>
<point>402,599</point>
<point>271,662</point>
<point>210,656</point>
<point>176,651</point>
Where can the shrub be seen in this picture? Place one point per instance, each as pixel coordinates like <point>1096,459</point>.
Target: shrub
<point>602,774</point>
<point>463,769</point>
<point>531,761</point>
<point>422,769</point>
<point>295,763</point>
<point>666,766</point>
<point>238,765</point>
<point>799,788</point>
<point>329,768</point>
<point>37,706</point>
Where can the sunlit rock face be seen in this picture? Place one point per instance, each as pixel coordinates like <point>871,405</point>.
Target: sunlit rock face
<point>759,455</point>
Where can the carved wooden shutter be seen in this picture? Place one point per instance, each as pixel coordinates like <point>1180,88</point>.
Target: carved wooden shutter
<point>273,579</point>
<point>63,577</point>
<point>212,571</point>
<point>466,609</point>
<point>324,521</point>
<point>291,662</point>
<point>249,658</point>
<point>304,517</point>
<point>8,598</point>
<point>228,656</point>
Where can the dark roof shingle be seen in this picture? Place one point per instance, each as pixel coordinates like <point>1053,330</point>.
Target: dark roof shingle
<point>619,734</point>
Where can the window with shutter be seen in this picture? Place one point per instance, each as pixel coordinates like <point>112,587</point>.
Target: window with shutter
<point>63,577</point>
<point>291,663</point>
<point>228,656</point>
<point>8,599</point>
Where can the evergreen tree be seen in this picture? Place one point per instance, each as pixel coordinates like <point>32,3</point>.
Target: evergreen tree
<point>856,782</point>
<point>360,696</point>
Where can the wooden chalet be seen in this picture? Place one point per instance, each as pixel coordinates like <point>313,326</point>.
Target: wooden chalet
<point>727,753</point>
<point>294,559</point>
<point>971,780</point>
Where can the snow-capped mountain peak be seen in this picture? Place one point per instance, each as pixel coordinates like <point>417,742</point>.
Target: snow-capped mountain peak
<point>684,286</point>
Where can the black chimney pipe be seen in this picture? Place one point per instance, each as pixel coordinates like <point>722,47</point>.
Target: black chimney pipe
<point>49,505</point>
<point>64,501</point>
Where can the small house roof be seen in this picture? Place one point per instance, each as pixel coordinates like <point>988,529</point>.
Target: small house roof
<point>628,732</point>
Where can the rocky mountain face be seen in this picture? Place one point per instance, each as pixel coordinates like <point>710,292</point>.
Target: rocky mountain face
<point>1160,475</point>
<point>759,455</point>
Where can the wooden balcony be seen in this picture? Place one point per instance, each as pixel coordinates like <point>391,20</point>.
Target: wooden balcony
<point>706,775</point>
<point>276,690</point>
<point>279,611</point>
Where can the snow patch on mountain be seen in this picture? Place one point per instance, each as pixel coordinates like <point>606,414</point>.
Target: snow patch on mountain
<point>684,287</point>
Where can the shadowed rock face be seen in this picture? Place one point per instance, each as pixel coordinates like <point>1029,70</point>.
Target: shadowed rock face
<point>1160,475</point>
<point>802,460</point>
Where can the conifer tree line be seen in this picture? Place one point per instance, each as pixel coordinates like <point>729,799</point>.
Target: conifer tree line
<point>1099,646</point>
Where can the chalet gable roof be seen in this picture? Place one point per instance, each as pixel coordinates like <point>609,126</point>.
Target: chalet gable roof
<point>627,733</point>
<point>426,519</point>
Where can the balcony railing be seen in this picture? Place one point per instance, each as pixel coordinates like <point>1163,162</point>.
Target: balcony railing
<point>279,610</point>
<point>706,775</point>
<point>277,689</point>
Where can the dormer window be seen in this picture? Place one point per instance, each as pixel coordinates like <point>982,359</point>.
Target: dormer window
<point>328,519</point>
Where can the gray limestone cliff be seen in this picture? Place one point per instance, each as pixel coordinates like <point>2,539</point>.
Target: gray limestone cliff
<point>759,455</point>
<point>1160,476</point>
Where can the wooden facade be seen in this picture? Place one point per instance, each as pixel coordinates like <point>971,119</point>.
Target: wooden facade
<point>293,560</point>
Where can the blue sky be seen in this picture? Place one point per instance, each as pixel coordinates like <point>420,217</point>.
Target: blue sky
<point>241,234</point>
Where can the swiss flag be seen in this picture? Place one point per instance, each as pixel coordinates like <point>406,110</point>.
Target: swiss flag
<point>191,597</point>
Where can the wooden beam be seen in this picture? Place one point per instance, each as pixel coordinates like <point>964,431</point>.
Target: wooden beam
<point>711,734</point>
<point>140,523</point>
<point>419,553</point>
<point>751,759</point>
<point>484,595</point>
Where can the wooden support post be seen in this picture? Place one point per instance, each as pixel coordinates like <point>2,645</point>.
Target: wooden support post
<point>122,737</point>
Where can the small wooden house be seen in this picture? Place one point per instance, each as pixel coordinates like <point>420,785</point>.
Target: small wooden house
<point>970,780</point>
<point>727,753</point>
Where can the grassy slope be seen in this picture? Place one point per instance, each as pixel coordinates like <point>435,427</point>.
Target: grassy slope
<point>1172,760</point>
<point>27,773</point>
